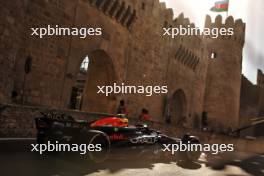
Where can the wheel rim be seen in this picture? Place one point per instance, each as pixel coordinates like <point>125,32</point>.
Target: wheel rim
<point>100,156</point>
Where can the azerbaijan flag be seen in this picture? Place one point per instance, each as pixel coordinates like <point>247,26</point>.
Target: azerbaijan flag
<point>220,6</point>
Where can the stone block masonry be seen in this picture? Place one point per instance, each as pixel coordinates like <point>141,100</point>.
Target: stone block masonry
<point>18,121</point>
<point>131,50</point>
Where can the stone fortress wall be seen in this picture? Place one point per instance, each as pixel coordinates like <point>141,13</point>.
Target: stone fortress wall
<point>131,50</point>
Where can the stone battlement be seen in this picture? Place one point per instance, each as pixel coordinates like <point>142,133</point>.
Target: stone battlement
<point>237,25</point>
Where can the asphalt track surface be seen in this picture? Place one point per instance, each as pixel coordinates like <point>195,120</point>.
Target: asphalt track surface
<point>16,159</point>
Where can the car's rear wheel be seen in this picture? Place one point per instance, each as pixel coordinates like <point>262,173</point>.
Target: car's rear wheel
<point>193,155</point>
<point>101,141</point>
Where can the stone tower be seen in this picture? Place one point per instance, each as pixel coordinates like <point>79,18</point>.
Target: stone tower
<point>260,85</point>
<point>222,97</point>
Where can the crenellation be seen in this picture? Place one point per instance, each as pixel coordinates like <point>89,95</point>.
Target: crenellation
<point>240,31</point>
<point>238,28</point>
<point>218,21</point>
<point>192,25</point>
<point>208,21</point>
<point>186,22</point>
<point>169,14</point>
<point>230,21</point>
<point>162,6</point>
<point>178,20</point>
<point>166,14</point>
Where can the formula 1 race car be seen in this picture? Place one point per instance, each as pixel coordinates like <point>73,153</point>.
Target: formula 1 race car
<point>112,133</point>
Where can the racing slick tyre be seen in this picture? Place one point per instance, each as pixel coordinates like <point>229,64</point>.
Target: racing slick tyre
<point>95,138</point>
<point>193,155</point>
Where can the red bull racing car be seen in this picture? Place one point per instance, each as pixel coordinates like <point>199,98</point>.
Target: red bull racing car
<point>114,134</point>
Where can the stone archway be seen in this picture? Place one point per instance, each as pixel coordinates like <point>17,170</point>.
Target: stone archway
<point>100,72</point>
<point>178,106</point>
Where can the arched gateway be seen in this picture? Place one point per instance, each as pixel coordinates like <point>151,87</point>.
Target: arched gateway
<point>96,69</point>
<point>178,106</point>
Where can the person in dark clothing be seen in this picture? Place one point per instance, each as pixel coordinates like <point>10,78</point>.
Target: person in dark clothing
<point>122,108</point>
<point>144,116</point>
<point>204,121</point>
